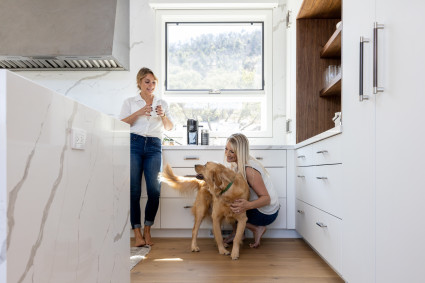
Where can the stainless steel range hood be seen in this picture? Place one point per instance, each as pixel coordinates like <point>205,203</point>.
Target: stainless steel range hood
<point>64,34</point>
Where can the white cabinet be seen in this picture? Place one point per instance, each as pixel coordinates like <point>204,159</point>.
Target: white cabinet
<point>383,149</point>
<point>318,192</point>
<point>175,212</point>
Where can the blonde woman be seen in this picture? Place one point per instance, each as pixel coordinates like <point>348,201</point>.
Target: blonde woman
<point>148,117</point>
<point>263,205</point>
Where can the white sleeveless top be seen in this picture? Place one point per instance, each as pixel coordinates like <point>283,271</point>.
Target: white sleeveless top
<point>274,199</point>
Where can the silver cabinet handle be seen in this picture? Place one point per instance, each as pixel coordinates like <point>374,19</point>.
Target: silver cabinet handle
<point>376,89</point>
<point>188,206</point>
<point>322,178</point>
<point>301,156</point>
<point>322,225</point>
<point>191,158</point>
<point>190,176</point>
<point>300,211</point>
<point>301,176</point>
<point>259,158</point>
<point>322,151</point>
<point>361,96</point>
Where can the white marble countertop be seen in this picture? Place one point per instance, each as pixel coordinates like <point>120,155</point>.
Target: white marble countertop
<point>331,132</point>
<point>221,147</point>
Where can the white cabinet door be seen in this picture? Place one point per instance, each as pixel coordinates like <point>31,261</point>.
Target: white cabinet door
<point>358,144</point>
<point>400,136</point>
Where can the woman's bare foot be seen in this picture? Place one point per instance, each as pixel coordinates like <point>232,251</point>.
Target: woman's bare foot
<point>229,239</point>
<point>258,232</point>
<point>139,241</point>
<point>147,235</point>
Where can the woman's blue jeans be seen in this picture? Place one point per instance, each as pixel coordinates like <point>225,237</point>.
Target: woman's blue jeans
<point>145,157</point>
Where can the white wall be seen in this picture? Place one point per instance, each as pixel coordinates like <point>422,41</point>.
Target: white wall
<point>106,90</point>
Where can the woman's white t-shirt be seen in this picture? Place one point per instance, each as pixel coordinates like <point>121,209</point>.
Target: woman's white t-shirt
<point>145,126</point>
<point>274,199</point>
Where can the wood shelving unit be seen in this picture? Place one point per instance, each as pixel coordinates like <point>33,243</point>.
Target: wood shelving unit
<point>332,48</point>
<point>318,46</point>
<point>334,88</point>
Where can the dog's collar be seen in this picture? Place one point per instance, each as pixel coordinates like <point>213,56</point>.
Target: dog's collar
<point>228,187</point>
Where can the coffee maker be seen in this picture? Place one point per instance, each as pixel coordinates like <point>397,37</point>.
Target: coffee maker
<point>192,132</point>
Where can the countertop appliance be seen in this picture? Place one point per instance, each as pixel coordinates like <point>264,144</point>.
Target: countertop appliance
<point>192,132</point>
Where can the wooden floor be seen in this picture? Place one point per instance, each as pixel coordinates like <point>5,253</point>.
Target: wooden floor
<point>276,260</point>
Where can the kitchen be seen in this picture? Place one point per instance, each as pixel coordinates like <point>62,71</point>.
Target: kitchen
<point>381,233</point>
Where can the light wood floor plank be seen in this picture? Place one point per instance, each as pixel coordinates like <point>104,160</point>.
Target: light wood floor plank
<point>276,260</point>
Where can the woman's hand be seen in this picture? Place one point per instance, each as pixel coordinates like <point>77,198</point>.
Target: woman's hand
<point>160,111</point>
<point>240,206</point>
<point>145,110</point>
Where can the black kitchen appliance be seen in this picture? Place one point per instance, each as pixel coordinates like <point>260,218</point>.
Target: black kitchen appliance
<point>192,132</point>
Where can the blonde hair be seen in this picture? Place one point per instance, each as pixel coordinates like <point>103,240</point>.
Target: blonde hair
<point>143,72</point>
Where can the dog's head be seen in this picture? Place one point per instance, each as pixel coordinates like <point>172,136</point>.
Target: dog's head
<point>216,175</point>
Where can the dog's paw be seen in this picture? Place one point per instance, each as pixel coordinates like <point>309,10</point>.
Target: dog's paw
<point>224,252</point>
<point>235,257</point>
<point>195,249</point>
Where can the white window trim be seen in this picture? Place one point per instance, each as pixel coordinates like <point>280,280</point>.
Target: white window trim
<point>264,15</point>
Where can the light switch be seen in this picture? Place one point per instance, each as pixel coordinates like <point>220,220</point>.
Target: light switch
<point>78,138</point>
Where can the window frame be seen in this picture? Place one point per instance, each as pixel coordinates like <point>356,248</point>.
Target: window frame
<point>264,96</point>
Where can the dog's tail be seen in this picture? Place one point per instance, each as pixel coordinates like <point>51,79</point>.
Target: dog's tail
<point>184,185</point>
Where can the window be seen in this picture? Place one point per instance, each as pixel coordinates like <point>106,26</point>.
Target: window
<point>216,68</point>
<point>214,56</point>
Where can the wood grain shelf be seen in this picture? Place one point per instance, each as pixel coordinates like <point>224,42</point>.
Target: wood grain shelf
<point>332,48</point>
<point>334,88</point>
<point>320,9</point>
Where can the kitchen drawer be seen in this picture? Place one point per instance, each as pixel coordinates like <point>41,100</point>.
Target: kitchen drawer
<point>270,158</point>
<point>176,213</point>
<point>280,222</point>
<point>188,158</point>
<point>278,177</point>
<point>328,151</point>
<point>322,231</point>
<point>321,187</point>
<point>157,223</point>
<point>304,156</point>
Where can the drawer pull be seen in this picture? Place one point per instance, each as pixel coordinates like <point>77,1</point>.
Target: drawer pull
<point>322,151</point>
<point>301,156</point>
<point>188,206</point>
<point>301,176</point>
<point>322,225</point>
<point>300,211</point>
<point>190,176</point>
<point>322,178</point>
<point>259,158</point>
<point>191,158</point>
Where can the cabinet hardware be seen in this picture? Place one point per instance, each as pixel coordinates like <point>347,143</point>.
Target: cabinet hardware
<point>361,96</point>
<point>190,176</point>
<point>301,156</point>
<point>259,158</point>
<point>322,225</point>
<point>376,89</point>
<point>288,126</point>
<point>322,178</point>
<point>191,158</point>
<point>300,211</point>
<point>301,176</point>
<point>322,151</point>
<point>188,206</point>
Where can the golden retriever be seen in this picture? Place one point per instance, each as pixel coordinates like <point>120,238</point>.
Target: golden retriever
<point>219,186</point>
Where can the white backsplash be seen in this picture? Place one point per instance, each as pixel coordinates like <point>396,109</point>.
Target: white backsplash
<point>67,210</point>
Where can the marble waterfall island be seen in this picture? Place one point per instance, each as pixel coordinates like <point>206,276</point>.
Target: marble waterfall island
<point>64,188</point>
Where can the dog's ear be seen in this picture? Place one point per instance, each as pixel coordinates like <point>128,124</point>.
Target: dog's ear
<point>216,178</point>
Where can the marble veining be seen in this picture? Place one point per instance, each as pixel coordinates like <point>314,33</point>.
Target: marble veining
<point>67,209</point>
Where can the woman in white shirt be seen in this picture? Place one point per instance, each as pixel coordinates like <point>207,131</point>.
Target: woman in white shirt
<point>263,205</point>
<point>148,117</point>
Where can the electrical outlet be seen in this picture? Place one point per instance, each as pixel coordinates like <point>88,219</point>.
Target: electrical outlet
<point>78,138</point>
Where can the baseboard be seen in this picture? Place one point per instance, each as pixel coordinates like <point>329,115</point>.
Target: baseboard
<point>206,233</point>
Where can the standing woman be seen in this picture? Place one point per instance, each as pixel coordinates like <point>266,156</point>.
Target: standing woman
<point>263,205</point>
<point>148,117</point>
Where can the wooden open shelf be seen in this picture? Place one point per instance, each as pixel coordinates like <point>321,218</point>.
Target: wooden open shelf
<point>332,48</point>
<point>334,88</point>
<point>320,9</point>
